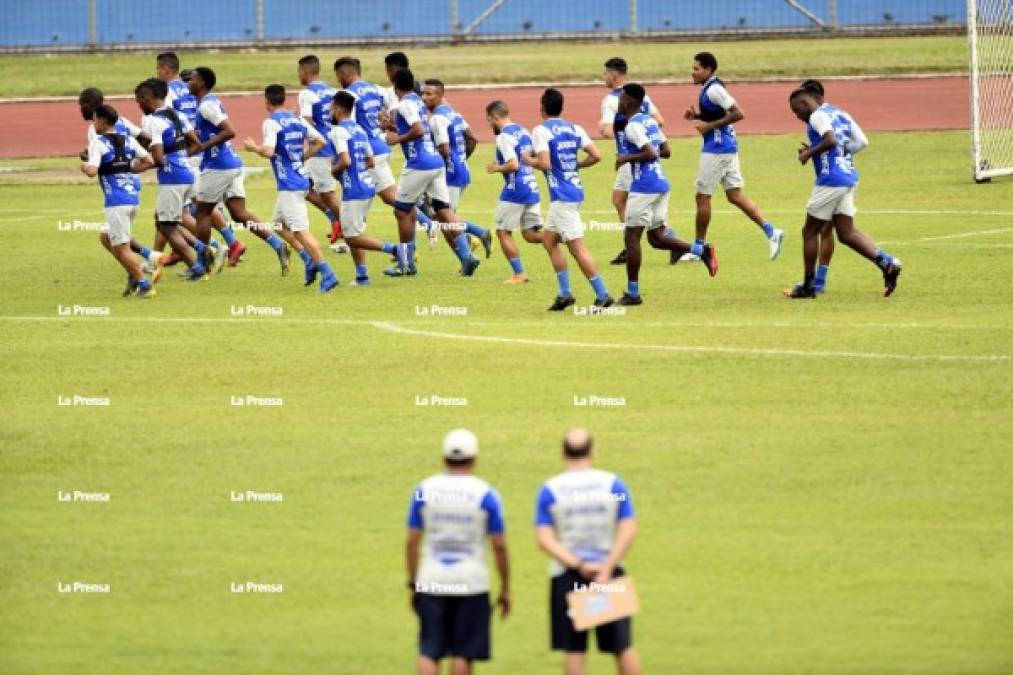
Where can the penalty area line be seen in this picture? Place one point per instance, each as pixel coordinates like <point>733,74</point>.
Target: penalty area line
<point>692,349</point>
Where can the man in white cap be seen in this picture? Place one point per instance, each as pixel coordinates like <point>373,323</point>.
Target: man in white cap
<point>459,514</point>
<point>584,521</point>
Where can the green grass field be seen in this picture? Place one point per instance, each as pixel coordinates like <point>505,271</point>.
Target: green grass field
<point>822,487</point>
<point>62,75</point>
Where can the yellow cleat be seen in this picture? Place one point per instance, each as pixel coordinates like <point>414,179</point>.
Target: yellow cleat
<point>517,279</point>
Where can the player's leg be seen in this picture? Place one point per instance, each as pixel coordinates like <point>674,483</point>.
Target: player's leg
<point>116,239</point>
<point>459,666</point>
<point>732,182</point>
<point>550,241</point>
<point>810,251</point>
<point>589,267</point>
<point>290,210</point>
<point>575,663</point>
<point>862,243</point>
<point>620,196</point>
<point>628,662</point>
<point>455,230</point>
<point>235,202</point>
<point>825,255</point>
<point>632,235</point>
<point>651,212</point>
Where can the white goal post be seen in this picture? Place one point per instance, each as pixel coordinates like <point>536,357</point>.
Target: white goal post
<point>990,38</point>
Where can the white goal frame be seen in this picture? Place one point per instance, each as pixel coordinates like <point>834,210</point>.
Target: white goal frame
<point>992,157</point>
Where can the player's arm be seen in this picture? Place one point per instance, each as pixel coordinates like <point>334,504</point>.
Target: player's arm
<point>155,147</point>
<point>821,123</point>
<point>440,126</point>
<point>539,157</point>
<point>192,142</point>
<point>665,150</point>
<point>592,155</point>
<point>470,142</point>
<point>315,142</point>
<point>636,135</point>
<point>626,530</point>
<point>225,134</point>
<point>265,149</point>
<point>411,553</point>
<point>499,549</point>
<point>732,115</point>
<point>342,156</point>
<point>142,160</point>
<point>858,141</point>
<point>92,158</point>
<point>609,108</point>
<point>306,101</point>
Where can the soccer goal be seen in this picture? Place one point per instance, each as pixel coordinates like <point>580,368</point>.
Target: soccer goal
<point>990,33</point>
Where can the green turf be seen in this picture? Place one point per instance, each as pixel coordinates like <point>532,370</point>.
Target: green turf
<point>54,75</point>
<point>834,514</point>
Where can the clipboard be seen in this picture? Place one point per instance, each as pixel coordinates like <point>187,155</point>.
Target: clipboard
<point>597,604</point>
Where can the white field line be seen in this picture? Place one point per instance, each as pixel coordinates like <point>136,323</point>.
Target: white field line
<point>967,234</point>
<point>692,349</point>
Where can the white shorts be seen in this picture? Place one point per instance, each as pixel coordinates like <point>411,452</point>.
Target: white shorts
<point>318,170</point>
<point>170,200</point>
<point>563,218</point>
<point>290,210</point>
<point>455,193</point>
<point>118,222</point>
<point>354,213</point>
<point>383,177</point>
<point>827,202</point>
<point>624,179</point>
<point>416,182</point>
<point>511,216</point>
<point>714,169</point>
<point>218,185</point>
<point>647,210</point>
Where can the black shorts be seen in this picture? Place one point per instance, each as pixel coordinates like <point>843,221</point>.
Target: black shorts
<point>454,625</point>
<point>613,638</point>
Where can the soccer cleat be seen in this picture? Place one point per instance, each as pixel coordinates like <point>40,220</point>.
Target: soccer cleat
<point>628,300</point>
<point>236,252</point>
<point>336,232</point>
<point>285,259</point>
<point>401,271</point>
<point>159,271</point>
<point>129,287</point>
<point>311,274</point>
<point>361,281</point>
<point>819,289</point>
<point>890,276</point>
<point>801,291</point>
<point>468,270</point>
<point>340,247</point>
<point>620,259</point>
<point>487,243</point>
<point>199,275</point>
<point>776,240</point>
<point>220,257</point>
<point>689,257</point>
<point>517,279</point>
<point>674,257</point>
<point>328,283</point>
<point>607,301</point>
<point>710,259</point>
<point>145,292</point>
<point>147,266</point>
<point>169,260</point>
<point>562,302</point>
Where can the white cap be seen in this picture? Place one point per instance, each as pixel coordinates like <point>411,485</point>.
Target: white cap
<point>460,444</point>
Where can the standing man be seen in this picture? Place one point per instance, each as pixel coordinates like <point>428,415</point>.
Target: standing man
<point>833,198</point>
<point>854,144</point>
<point>453,517</point>
<point>221,175</point>
<point>615,77</point>
<point>719,160</point>
<point>288,140</point>
<point>315,109</point>
<point>115,157</point>
<point>584,521</point>
<point>518,207</point>
<point>556,142</point>
<point>640,151</point>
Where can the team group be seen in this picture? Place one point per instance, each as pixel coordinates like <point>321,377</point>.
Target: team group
<point>345,136</point>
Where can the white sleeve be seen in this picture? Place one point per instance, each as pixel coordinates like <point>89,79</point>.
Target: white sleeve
<point>312,133</point>
<point>390,100</point>
<point>95,151</point>
<point>609,108</point>
<point>138,149</point>
<point>306,100</point>
<point>441,129</point>
<point>637,134</point>
<point>858,141</point>
<point>507,146</point>
<point>719,96</point>
<point>585,140</point>
<point>339,137</point>
<point>409,111</point>
<point>135,130</point>
<point>651,108</point>
<point>271,129</point>
<point>91,133</point>
<point>540,138</point>
<point>170,97</point>
<point>154,126</point>
<point>212,113</point>
<point>820,122</point>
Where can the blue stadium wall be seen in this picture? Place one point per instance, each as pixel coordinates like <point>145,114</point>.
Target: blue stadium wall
<point>64,23</point>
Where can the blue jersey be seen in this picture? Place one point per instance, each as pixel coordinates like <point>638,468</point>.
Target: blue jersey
<point>368,105</point>
<point>648,177</point>
<point>520,187</point>
<point>315,103</point>
<point>210,114</point>
<point>356,180</point>
<point>419,153</point>
<point>183,101</point>
<point>834,168</point>
<point>720,141</point>
<point>458,174</point>
<point>562,139</point>
<point>113,153</point>
<point>176,167</point>
<point>287,132</point>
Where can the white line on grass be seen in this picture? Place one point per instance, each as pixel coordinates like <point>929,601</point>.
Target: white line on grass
<point>748,351</point>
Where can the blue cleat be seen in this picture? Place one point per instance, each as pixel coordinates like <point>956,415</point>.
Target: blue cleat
<point>311,274</point>
<point>328,283</point>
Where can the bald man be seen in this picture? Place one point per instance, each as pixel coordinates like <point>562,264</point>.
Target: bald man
<point>585,544</point>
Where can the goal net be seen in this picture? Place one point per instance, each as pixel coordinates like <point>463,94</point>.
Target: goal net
<point>990,34</point>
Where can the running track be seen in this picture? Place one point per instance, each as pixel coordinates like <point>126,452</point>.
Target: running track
<point>42,128</point>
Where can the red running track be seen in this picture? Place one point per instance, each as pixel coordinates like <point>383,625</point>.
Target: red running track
<point>43,128</point>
